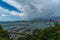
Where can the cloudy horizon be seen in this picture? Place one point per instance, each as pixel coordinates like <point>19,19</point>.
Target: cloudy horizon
<point>11,10</point>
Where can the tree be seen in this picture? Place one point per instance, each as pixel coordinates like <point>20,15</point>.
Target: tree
<point>4,35</point>
<point>50,33</point>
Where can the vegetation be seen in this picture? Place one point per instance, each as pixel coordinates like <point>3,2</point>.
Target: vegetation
<point>50,33</point>
<point>4,35</point>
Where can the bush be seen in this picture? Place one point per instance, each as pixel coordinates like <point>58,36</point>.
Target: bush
<point>50,33</point>
<point>4,35</point>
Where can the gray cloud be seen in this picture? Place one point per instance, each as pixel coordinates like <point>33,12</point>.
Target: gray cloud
<point>38,8</point>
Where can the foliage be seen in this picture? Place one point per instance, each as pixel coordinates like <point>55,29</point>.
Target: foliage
<point>50,33</point>
<point>4,35</point>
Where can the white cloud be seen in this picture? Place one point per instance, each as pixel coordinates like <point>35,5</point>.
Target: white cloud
<point>6,14</point>
<point>22,14</point>
<point>56,1</point>
<point>17,13</point>
<point>6,11</point>
<point>34,8</point>
<point>3,15</point>
<point>13,3</point>
<point>2,10</point>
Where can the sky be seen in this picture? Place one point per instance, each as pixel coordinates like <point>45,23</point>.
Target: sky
<point>12,10</point>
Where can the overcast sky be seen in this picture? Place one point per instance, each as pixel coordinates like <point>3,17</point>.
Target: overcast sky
<point>12,10</point>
